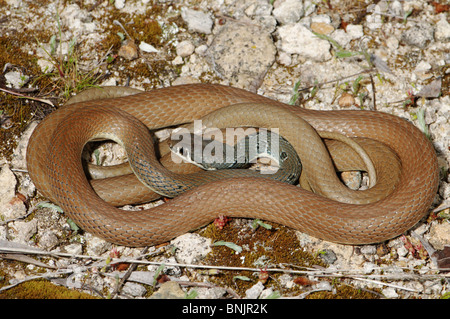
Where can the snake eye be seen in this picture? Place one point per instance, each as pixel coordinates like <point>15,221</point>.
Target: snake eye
<point>283,156</point>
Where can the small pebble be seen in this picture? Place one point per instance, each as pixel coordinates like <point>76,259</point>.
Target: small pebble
<point>185,48</point>
<point>328,256</point>
<point>128,50</point>
<point>346,100</point>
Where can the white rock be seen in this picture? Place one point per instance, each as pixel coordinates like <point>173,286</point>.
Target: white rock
<point>368,267</point>
<point>143,46</point>
<point>46,65</point>
<point>20,152</point>
<point>254,291</point>
<point>440,235</point>
<point>389,293</point>
<point>10,206</point>
<point>210,293</point>
<point>24,230</point>
<point>134,289</point>
<point>16,79</point>
<point>322,285</point>
<point>74,18</point>
<point>119,4</point>
<point>286,281</point>
<point>321,18</point>
<point>369,249</point>
<point>309,7</point>
<point>74,249</point>
<point>402,251</point>
<point>355,31</point>
<point>297,39</point>
<point>178,60</point>
<point>442,32</point>
<point>241,53</point>
<point>201,50</point>
<point>95,245</point>
<point>197,21</point>
<point>374,21</point>
<point>422,66</point>
<point>8,182</point>
<point>48,240</point>
<point>288,11</point>
<point>185,48</point>
<point>266,293</point>
<point>284,58</point>
<point>341,37</point>
<point>190,248</point>
<point>392,43</point>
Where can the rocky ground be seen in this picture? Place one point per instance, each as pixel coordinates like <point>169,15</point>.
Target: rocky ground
<point>391,56</point>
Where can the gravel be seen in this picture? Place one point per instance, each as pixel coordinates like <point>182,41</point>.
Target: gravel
<point>265,48</point>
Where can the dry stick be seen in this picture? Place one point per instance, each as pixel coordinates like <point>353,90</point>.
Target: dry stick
<point>127,275</point>
<point>309,271</point>
<point>27,97</point>
<point>373,92</point>
<point>43,276</point>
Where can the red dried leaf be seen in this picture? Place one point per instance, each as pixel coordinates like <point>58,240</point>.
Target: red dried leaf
<point>120,266</point>
<point>438,7</point>
<point>303,281</point>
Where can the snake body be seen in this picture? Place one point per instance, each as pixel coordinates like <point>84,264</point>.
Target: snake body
<point>216,155</point>
<point>53,159</point>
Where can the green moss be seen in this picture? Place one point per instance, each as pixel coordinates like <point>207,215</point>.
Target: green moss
<point>42,289</point>
<point>261,247</point>
<point>18,110</point>
<point>276,247</point>
<point>343,291</point>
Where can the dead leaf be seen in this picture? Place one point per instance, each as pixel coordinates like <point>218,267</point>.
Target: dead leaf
<point>303,281</point>
<point>438,7</point>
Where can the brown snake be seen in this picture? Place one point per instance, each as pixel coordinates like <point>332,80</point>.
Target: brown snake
<point>54,164</point>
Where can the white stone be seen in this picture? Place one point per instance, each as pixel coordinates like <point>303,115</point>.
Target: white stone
<point>95,245</point>
<point>321,18</point>
<point>197,21</point>
<point>20,152</point>
<point>46,65</point>
<point>392,43</point>
<point>24,230</point>
<point>389,293</point>
<point>119,4</point>
<point>254,291</point>
<point>355,31</point>
<point>341,37</point>
<point>16,79</point>
<point>74,249</point>
<point>143,46</point>
<point>201,50</point>
<point>185,48</point>
<point>297,39</point>
<point>190,248</point>
<point>178,60</point>
<point>440,235</point>
<point>10,206</point>
<point>442,32</point>
<point>288,11</point>
<point>134,289</point>
<point>422,66</point>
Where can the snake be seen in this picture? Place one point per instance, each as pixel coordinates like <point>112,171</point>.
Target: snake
<point>213,154</point>
<point>55,167</point>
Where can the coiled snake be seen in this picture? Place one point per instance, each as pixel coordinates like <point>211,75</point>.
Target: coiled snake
<point>54,164</point>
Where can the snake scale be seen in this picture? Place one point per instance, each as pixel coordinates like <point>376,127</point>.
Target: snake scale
<point>54,164</point>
